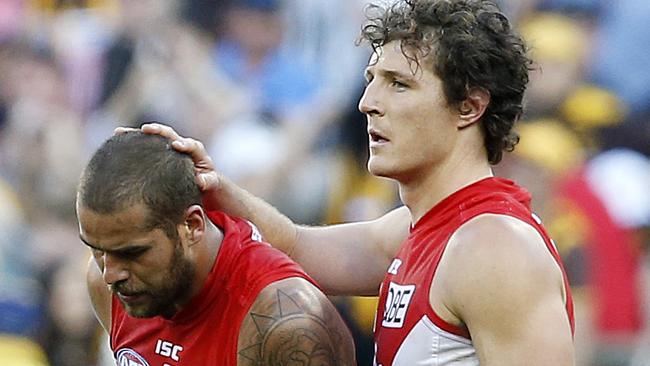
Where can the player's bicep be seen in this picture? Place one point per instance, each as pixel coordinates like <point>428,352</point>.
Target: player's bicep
<point>100,295</point>
<point>534,330</point>
<point>291,321</point>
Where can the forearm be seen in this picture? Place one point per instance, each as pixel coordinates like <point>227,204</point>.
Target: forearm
<point>344,259</point>
<point>276,228</point>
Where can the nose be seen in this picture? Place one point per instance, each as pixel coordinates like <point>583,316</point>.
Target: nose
<point>369,104</point>
<point>113,269</point>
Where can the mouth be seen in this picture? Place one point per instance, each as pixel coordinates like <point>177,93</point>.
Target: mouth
<point>376,137</point>
<point>131,298</point>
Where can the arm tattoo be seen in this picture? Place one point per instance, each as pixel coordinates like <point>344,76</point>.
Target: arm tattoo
<point>291,334</point>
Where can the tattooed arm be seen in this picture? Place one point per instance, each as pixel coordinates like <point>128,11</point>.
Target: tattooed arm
<point>292,323</point>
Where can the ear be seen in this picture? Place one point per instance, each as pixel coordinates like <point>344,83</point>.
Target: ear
<point>472,108</point>
<point>193,227</point>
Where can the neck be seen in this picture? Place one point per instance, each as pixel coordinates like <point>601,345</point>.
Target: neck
<point>423,192</point>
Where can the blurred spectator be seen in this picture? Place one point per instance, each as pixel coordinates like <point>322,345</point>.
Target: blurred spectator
<point>39,158</point>
<point>299,84</point>
<point>159,67</point>
<point>582,8</point>
<point>594,210</point>
<point>609,198</point>
<point>633,134</point>
<point>323,33</point>
<point>10,18</point>
<point>207,15</point>
<point>518,9</point>
<point>21,294</point>
<point>622,53</point>
<point>559,46</point>
<point>642,352</point>
<point>43,146</point>
<point>250,53</point>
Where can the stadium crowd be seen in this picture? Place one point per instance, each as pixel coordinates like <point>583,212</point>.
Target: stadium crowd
<point>271,87</point>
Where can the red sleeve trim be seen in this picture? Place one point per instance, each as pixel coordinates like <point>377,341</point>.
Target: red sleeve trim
<point>453,329</point>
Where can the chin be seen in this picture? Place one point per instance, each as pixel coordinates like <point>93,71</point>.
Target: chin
<point>141,311</point>
<point>376,168</point>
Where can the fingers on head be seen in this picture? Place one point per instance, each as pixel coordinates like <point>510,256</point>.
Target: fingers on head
<point>122,130</point>
<point>190,145</point>
<point>160,129</point>
<point>198,145</point>
<point>183,144</point>
<point>180,145</point>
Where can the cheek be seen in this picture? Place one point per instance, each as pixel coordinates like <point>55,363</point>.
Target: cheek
<point>149,272</point>
<point>415,129</point>
<point>156,269</point>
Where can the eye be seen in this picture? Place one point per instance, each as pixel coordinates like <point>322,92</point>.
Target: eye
<point>132,253</point>
<point>398,85</point>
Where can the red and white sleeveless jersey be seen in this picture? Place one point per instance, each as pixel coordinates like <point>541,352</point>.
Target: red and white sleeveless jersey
<point>407,330</point>
<point>205,332</point>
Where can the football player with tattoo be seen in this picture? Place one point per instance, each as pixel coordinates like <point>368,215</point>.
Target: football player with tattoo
<point>175,284</point>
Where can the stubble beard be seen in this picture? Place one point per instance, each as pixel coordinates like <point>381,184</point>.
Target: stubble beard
<point>175,289</point>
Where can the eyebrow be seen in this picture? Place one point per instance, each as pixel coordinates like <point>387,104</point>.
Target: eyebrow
<point>118,250</point>
<point>389,74</point>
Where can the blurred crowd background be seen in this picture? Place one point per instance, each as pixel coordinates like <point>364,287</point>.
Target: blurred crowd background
<point>271,87</point>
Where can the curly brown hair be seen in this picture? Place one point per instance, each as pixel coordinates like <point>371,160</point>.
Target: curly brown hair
<point>471,44</point>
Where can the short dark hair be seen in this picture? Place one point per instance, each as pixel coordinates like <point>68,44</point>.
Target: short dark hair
<point>134,168</point>
<point>471,44</point>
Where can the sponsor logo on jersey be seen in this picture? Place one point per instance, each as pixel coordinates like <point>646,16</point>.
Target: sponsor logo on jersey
<point>394,267</point>
<point>129,357</point>
<point>397,304</point>
<point>168,349</point>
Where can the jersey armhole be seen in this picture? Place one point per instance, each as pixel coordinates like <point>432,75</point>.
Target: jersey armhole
<point>447,327</point>
<point>460,331</point>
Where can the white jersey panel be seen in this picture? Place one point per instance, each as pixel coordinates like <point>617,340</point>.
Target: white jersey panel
<point>428,345</point>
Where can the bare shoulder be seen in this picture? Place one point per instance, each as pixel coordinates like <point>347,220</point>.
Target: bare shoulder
<point>100,295</point>
<point>291,321</point>
<point>499,252</point>
<point>499,279</point>
<point>507,243</point>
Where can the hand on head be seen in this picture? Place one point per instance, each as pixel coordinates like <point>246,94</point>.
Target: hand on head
<point>206,175</point>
